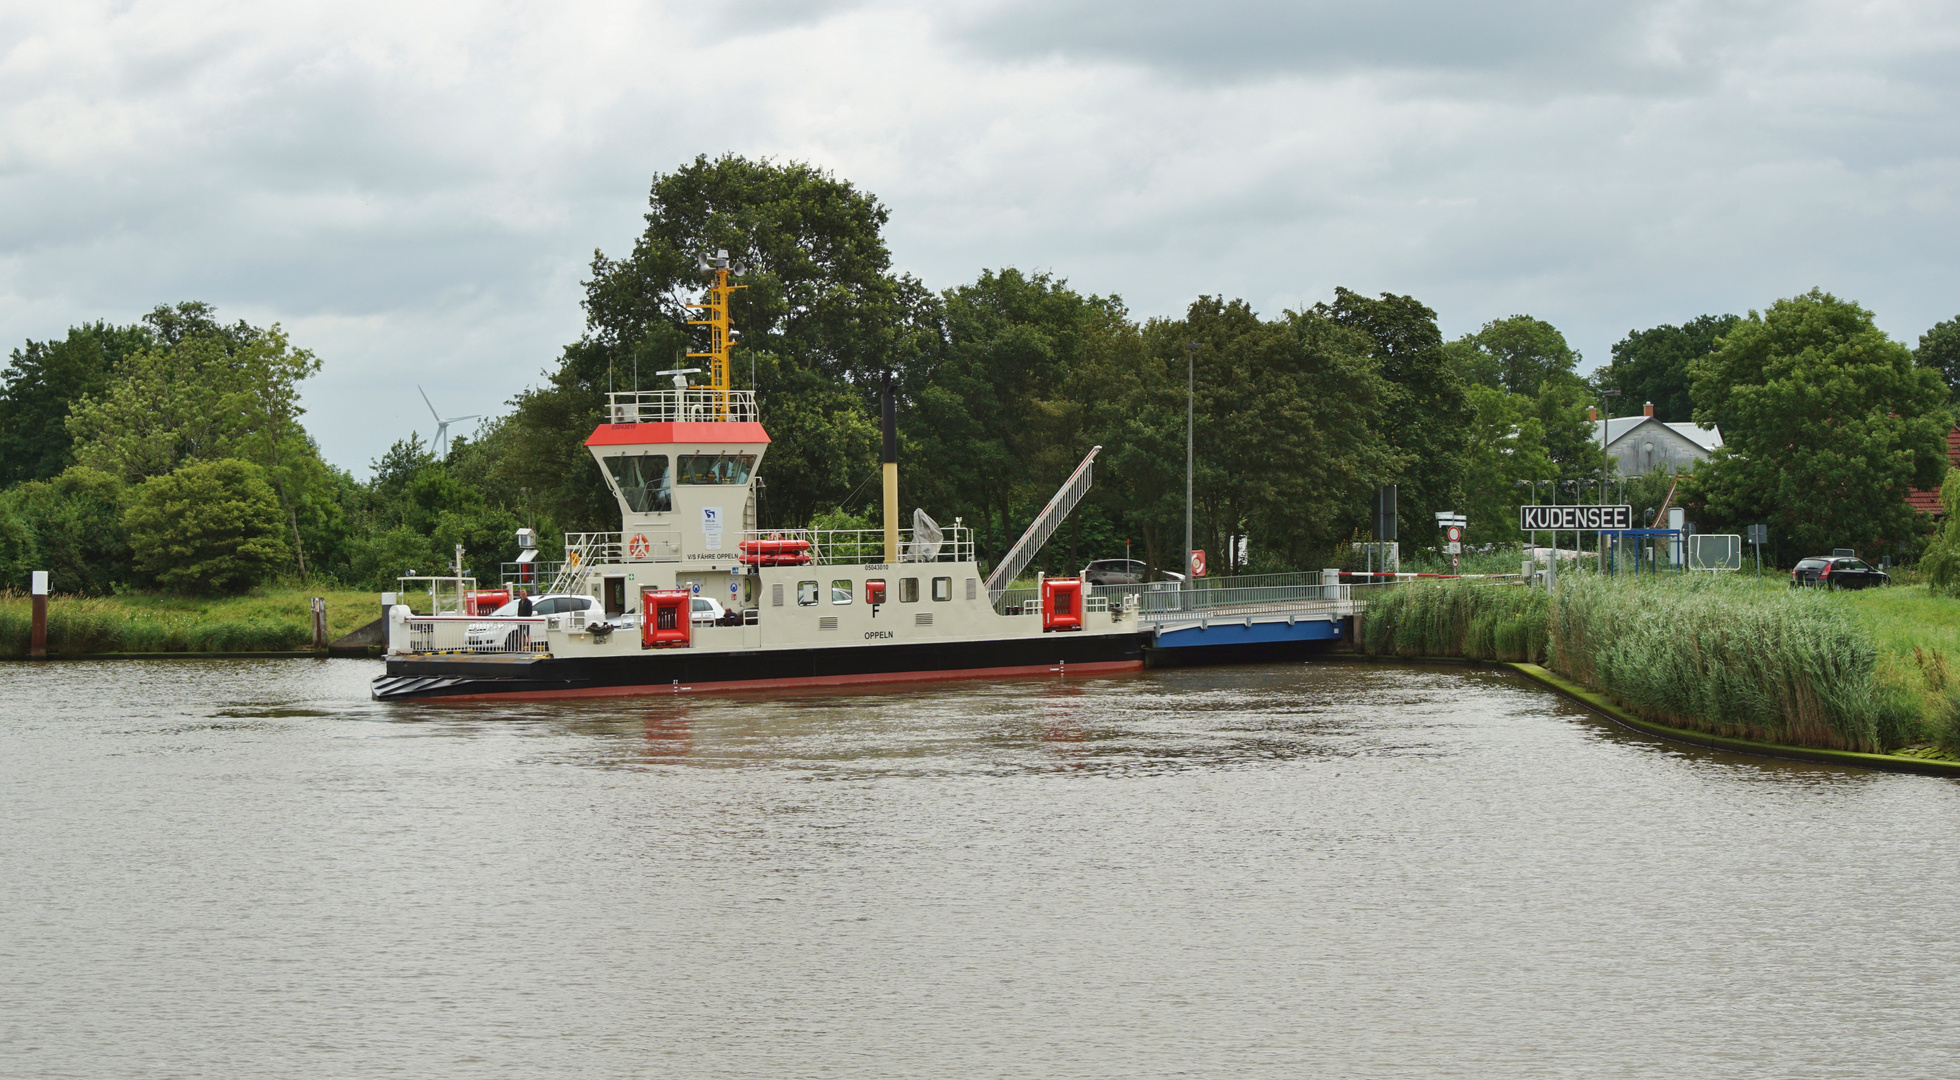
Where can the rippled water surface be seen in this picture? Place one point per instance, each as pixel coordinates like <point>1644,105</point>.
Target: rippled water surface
<point>249,869</point>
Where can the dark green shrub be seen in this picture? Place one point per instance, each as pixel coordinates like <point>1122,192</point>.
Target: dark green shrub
<point>210,529</point>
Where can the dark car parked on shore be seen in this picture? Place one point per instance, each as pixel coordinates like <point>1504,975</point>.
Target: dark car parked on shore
<point>1837,572</point>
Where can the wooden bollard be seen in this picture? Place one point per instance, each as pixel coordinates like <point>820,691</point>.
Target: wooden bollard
<point>319,622</point>
<point>37,642</point>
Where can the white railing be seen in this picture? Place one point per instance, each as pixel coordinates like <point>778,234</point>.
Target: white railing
<point>844,547</point>
<point>693,405</point>
<point>477,634</point>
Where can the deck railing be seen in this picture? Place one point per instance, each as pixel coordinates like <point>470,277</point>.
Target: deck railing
<point>692,405</point>
<point>477,634</point>
<point>844,547</point>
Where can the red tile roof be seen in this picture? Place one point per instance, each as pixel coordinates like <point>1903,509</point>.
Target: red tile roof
<point>1928,502</point>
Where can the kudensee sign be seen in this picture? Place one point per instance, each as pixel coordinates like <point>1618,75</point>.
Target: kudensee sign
<point>1574,518</point>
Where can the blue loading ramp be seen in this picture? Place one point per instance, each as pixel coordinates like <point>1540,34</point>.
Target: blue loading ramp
<point>1228,631</point>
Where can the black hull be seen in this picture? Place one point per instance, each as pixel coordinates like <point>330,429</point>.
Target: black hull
<point>411,678</point>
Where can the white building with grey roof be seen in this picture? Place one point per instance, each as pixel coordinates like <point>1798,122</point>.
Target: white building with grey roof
<point>1643,444</point>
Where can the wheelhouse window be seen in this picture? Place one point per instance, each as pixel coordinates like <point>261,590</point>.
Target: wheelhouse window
<point>840,591</point>
<point>806,594</point>
<point>643,481</point>
<point>942,588</point>
<point>715,468</point>
<point>908,590</point>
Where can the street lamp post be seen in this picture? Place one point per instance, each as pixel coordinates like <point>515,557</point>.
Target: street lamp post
<point>1605,468</point>
<point>1190,411</point>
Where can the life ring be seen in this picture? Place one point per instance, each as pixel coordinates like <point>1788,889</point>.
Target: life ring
<point>638,547</point>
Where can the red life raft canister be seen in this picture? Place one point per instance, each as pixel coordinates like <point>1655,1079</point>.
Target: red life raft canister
<point>775,552</point>
<point>1061,604</point>
<point>666,618</point>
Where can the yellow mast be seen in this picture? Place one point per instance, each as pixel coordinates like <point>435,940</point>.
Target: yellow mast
<point>720,338</point>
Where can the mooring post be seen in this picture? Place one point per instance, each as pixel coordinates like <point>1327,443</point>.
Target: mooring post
<point>319,622</point>
<point>37,642</point>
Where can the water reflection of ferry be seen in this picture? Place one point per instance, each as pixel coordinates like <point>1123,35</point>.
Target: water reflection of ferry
<point>801,606</point>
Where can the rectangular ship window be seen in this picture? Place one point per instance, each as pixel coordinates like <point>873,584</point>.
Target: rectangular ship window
<point>776,595</point>
<point>643,481</point>
<point>908,590</point>
<point>840,591</point>
<point>715,468</point>
<point>806,594</point>
<point>942,588</point>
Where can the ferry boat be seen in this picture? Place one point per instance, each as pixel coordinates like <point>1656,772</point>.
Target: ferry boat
<point>800,607</point>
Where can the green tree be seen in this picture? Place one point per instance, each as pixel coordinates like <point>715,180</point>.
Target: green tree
<point>819,298</point>
<point>77,521</point>
<point>39,384</point>
<point>1653,365</point>
<point>1517,354</point>
<point>378,558</point>
<point>20,556</point>
<point>1941,563</point>
<point>988,415</point>
<point>205,392</point>
<point>211,528</point>
<point>1939,349</point>
<point>1826,423</point>
<point>1286,445</point>
<point>1425,410</point>
<point>1504,447</point>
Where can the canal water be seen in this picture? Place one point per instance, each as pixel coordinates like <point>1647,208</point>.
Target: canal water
<point>247,869</point>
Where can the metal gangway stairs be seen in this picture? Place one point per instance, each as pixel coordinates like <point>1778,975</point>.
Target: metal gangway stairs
<point>1043,526</point>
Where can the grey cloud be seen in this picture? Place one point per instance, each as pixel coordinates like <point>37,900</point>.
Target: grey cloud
<point>1639,45</point>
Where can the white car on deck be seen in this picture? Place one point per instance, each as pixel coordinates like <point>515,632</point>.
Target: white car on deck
<point>511,636</point>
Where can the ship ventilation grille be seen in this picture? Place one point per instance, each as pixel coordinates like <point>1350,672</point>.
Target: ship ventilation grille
<point>828,622</point>
<point>776,595</point>
<point>923,618</point>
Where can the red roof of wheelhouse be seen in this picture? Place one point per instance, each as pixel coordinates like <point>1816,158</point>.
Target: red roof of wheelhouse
<point>691,432</point>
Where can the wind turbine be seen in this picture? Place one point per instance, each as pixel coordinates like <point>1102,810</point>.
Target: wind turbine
<point>442,426</point>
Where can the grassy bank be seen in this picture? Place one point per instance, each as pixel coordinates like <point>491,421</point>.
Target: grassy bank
<point>271,619</point>
<point>1866,672</point>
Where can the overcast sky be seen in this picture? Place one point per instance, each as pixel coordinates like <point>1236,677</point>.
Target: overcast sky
<point>415,190</point>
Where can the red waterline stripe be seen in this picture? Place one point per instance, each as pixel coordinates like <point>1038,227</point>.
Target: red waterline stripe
<point>1100,667</point>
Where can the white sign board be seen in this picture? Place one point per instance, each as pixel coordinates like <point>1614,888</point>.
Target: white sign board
<point>1715,551</point>
<point>711,528</point>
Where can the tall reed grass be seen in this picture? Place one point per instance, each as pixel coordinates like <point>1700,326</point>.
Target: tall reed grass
<point>1457,618</point>
<point>80,625</point>
<point>1710,654</point>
